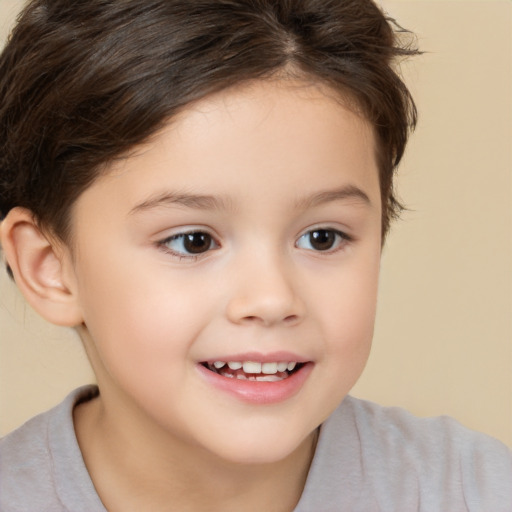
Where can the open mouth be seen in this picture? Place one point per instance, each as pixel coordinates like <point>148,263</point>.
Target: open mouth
<point>250,370</point>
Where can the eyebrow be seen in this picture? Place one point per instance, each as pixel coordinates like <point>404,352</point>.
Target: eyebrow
<point>338,194</point>
<point>196,201</point>
<point>209,202</point>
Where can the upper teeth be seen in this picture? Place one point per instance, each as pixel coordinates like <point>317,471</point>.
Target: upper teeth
<point>253,367</point>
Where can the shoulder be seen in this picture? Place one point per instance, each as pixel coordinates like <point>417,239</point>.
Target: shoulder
<point>396,461</point>
<point>24,458</point>
<point>439,451</point>
<point>396,426</point>
<point>37,458</point>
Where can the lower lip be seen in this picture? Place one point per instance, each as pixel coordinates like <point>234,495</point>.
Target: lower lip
<point>256,392</point>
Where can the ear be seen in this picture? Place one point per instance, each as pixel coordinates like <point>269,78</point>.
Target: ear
<point>42,268</point>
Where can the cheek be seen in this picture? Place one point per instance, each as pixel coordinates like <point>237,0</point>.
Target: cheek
<point>142,320</point>
<point>126,322</point>
<point>344,313</point>
<point>348,313</point>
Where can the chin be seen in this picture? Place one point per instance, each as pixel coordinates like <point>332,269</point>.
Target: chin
<point>263,449</point>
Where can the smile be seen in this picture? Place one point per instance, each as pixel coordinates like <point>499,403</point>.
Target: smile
<point>257,382</point>
<point>254,371</point>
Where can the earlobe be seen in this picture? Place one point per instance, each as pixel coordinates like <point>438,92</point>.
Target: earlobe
<point>41,268</point>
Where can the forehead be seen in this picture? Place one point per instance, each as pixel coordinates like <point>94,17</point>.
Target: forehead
<point>276,138</point>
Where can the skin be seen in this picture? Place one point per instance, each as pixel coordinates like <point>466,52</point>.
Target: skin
<point>277,160</point>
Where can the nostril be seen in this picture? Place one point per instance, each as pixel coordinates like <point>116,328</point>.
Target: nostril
<point>290,319</point>
<point>264,310</point>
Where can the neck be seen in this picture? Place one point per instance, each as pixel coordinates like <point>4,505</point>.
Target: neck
<point>136,468</point>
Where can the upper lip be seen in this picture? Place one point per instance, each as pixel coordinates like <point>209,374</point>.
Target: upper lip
<point>258,357</point>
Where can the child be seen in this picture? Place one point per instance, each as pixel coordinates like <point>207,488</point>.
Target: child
<point>202,189</point>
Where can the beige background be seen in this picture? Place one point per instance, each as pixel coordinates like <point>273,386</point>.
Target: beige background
<point>443,342</point>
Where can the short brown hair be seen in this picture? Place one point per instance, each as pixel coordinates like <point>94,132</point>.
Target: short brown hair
<point>84,81</point>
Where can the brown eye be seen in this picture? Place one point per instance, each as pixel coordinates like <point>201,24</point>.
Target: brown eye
<point>196,243</point>
<point>320,239</point>
<point>189,244</point>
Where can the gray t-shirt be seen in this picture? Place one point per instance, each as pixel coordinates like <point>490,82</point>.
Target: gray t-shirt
<point>368,458</point>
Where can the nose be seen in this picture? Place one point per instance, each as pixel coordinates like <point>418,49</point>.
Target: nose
<point>264,293</point>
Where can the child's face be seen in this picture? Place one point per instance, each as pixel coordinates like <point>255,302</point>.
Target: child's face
<point>246,231</point>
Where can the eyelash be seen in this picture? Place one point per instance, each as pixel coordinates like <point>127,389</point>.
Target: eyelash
<point>340,239</point>
<point>164,244</point>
